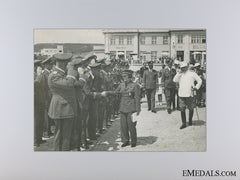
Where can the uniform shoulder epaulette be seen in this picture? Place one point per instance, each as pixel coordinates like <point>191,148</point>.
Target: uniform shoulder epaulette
<point>54,72</point>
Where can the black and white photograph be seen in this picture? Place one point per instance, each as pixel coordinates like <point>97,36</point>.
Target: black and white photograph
<point>120,89</point>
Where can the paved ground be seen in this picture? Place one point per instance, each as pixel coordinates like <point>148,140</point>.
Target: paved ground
<point>156,132</point>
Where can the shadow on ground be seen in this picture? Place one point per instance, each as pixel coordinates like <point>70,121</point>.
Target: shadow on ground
<point>146,140</point>
<point>199,123</point>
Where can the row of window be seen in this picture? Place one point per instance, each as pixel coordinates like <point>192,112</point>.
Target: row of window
<point>121,40</point>
<point>195,38</point>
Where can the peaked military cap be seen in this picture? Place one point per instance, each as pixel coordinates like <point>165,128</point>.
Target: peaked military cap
<point>127,71</point>
<point>47,61</point>
<point>37,61</point>
<point>150,62</point>
<point>94,65</point>
<point>101,60</point>
<point>77,61</point>
<point>107,63</point>
<point>90,57</point>
<point>63,56</point>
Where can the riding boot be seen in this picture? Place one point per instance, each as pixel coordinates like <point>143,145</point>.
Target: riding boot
<point>190,117</point>
<point>183,116</point>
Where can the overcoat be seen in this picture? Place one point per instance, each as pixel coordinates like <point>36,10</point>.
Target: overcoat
<point>63,104</point>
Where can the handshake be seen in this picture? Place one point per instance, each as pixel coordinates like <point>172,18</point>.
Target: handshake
<point>106,93</point>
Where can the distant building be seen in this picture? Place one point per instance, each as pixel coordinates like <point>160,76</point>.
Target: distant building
<point>52,51</point>
<point>99,51</point>
<point>187,45</point>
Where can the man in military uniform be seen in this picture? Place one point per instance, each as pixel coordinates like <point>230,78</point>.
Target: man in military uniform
<point>150,84</point>
<point>95,89</point>
<point>102,100</point>
<point>84,94</point>
<point>109,87</point>
<point>76,140</point>
<point>168,85</point>
<point>39,103</point>
<point>48,122</point>
<point>199,92</point>
<point>130,103</point>
<point>63,106</point>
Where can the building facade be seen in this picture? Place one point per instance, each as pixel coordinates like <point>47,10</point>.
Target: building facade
<point>184,45</point>
<point>52,51</point>
<point>99,51</point>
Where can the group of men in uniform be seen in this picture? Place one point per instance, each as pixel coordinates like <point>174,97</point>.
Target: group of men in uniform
<point>71,95</point>
<point>77,95</point>
<point>189,93</point>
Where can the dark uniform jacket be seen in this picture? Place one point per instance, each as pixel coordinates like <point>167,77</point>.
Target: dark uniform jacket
<point>39,96</point>
<point>150,79</point>
<point>167,78</point>
<point>47,92</point>
<point>63,103</point>
<point>130,97</point>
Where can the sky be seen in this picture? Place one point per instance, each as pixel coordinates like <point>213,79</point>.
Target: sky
<point>68,36</point>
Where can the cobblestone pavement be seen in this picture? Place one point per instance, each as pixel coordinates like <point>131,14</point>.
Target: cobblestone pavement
<point>155,132</point>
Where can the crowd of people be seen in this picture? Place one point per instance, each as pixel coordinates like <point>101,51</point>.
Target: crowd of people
<point>77,98</point>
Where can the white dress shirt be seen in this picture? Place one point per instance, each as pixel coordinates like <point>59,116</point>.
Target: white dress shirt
<point>186,83</point>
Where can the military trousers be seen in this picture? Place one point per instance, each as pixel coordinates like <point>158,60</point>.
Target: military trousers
<point>151,98</point>
<point>77,132</point>
<point>48,122</point>
<point>128,126</point>
<point>38,123</point>
<point>63,132</point>
<point>93,118</point>
<point>170,97</point>
<point>84,116</point>
<point>101,113</point>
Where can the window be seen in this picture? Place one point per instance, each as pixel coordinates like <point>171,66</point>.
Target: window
<point>112,54</point>
<point>154,40</point>
<point>112,41</point>
<point>165,39</point>
<point>143,58</point>
<point>121,39</point>
<point>180,55</point>
<point>198,38</point>
<point>128,54</point>
<point>203,39</point>
<point>154,55</point>
<point>180,39</point>
<point>142,40</point>
<point>129,40</point>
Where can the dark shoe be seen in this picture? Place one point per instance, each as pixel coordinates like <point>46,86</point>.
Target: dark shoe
<point>154,111</point>
<point>183,126</point>
<point>84,146</point>
<point>89,142</point>
<point>190,123</point>
<point>36,145</point>
<point>149,109</point>
<point>169,111</point>
<point>125,144</point>
<point>133,145</point>
<point>42,141</point>
<point>76,149</point>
